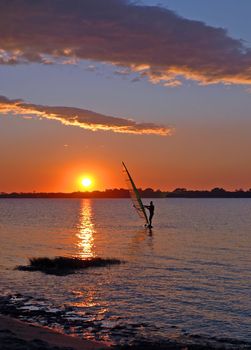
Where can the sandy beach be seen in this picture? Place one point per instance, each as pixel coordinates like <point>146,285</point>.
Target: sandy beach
<point>18,335</point>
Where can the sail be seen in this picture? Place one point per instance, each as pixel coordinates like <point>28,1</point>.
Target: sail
<point>134,193</point>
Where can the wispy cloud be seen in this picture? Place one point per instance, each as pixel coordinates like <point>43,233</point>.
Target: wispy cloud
<point>82,118</point>
<point>150,40</point>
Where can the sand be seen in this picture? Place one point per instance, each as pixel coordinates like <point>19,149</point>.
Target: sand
<point>18,335</point>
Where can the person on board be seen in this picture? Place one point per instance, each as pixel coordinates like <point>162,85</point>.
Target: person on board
<point>151,212</point>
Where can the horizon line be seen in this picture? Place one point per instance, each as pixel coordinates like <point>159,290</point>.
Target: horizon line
<point>147,189</point>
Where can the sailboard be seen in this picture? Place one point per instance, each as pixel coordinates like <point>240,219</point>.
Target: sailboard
<point>135,196</point>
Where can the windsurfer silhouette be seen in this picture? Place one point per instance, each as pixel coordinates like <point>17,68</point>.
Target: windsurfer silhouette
<point>151,212</point>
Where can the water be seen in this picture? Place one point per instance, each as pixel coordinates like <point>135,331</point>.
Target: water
<point>190,276</point>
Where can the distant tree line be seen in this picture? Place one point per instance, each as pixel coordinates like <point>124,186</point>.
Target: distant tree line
<point>109,193</point>
<point>216,192</point>
<point>144,193</point>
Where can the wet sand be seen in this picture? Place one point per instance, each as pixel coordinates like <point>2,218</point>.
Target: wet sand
<point>18,335</point>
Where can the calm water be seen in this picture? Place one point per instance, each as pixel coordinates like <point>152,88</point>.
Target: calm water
<point>190,275</point>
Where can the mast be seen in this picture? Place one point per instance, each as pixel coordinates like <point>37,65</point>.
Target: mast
<point>135,196</point>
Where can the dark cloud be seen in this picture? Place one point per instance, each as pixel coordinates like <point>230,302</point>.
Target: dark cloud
<point>153,41</point>
<point>82,118</point>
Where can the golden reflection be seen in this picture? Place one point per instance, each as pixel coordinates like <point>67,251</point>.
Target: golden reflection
<point>86,299</point>
<point>86,232</point>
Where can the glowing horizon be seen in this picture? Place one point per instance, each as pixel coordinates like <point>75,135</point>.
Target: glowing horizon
<point>166,89</point>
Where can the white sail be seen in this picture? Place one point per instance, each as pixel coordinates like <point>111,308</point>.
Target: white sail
<point>134,193</point>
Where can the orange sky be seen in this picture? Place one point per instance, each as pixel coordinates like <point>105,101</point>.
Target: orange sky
<point>195,157</point>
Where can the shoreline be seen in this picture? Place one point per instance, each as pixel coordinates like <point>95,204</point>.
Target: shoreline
<point>25,326</point>
<point>16,334</point>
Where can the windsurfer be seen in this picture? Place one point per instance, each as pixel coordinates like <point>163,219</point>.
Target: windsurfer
<point>151,212</point>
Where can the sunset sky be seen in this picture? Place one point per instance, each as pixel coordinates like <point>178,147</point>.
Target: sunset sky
<point>163,86</point>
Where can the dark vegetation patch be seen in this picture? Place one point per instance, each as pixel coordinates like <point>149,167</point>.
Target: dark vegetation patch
<point>62,266</point>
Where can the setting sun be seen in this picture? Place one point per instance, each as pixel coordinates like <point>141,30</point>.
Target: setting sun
<point>86,182</point>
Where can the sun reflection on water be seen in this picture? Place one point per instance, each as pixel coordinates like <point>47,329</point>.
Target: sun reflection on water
<point>89,309</point>
<point>85,235</point>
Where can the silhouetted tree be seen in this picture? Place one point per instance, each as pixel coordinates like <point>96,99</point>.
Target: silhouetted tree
<point>180,190</point>
<point>218,190</point>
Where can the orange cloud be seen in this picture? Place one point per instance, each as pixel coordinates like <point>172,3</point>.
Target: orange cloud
<point>150,40</point>
<point>82,118</point>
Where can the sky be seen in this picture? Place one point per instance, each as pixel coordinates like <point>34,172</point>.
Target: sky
<point>164,86</point>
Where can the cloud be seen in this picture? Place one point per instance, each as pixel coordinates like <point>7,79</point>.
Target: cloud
<point>150,40</point>
<point>82,118</point>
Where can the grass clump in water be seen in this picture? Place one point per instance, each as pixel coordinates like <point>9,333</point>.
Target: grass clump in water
<point>65,265</point>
